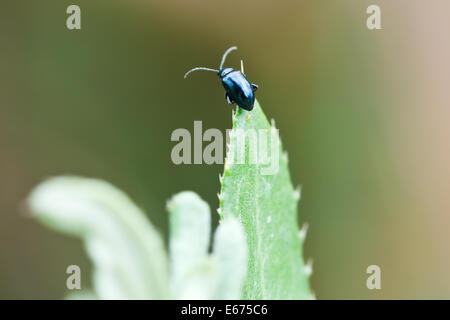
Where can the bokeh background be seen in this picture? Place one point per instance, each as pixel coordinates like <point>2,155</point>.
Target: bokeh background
<point>363,114</point>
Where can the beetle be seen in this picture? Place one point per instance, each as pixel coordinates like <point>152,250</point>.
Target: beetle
<point>237,88</point>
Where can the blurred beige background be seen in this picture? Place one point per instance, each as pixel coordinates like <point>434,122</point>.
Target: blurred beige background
<point>363,114</point>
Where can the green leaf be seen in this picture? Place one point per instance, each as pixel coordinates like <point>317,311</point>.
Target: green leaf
<point>128,254</point>
<point>195,274</point>
<point>264,200</point>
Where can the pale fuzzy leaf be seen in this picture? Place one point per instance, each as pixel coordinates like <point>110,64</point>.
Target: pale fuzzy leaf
<point>201,282</point>
<point>190,228</point>
<point>230,252</point>
<point>266,205</point>
<point>128,254</point>
<point>196,274</point>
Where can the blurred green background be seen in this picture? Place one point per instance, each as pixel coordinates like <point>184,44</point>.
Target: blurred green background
<point>363,114</point>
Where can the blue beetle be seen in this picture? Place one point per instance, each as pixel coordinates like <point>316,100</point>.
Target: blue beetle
<point>237,88</point>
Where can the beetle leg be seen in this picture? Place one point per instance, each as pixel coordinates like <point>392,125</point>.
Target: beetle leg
<point>228,98</point>
<point>254,87</point>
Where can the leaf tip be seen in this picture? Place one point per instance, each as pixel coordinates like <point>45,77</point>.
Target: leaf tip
<point>285,156</point>
<point>169,205</point>
<point>308,268</point>
<point>297,193</point>
<point>303,231</point>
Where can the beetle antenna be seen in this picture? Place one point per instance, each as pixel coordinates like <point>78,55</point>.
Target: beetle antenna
<point>200,68</point>
<point>225,56</point>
